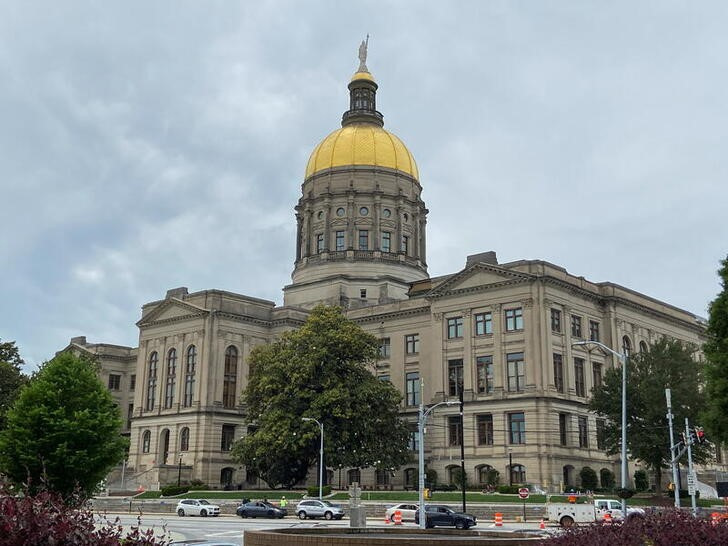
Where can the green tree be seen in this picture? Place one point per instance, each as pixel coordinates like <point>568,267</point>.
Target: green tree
<point>606,478</point>
<point>11,377</point>
<point>63,432</point>
<point>716,370</point>
<point>588,478</point>
<point>666,364</point>
<point>319,371</point>
<point>641,482</point>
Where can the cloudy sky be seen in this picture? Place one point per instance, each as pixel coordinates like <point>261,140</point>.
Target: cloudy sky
<point>149,145</point>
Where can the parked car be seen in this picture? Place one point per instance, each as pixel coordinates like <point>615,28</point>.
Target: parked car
<point>197,507</point>
<point>318,509</point>
<point>260,509</point>
<point>408,511</point>
<point>437,515</point>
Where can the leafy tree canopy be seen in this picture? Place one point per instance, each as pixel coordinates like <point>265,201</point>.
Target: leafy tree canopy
<point>666,364</point>
<point>11,377</point>
<point>63,431</point>
<point>319,371</point>
<point>716,372</point>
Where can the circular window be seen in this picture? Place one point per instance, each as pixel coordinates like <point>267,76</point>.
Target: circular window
<point>406,217</point>
<point>320,215</point>
<point>363,211</point>
<point>387,213</point>
<point>340,211</point>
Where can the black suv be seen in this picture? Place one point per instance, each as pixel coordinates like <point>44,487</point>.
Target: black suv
<point>438,515</point>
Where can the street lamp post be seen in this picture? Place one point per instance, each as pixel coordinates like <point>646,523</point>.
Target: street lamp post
<point>623,360</point>
<point>421,440</point>
<point>321,455</point>
<point>510,466</point>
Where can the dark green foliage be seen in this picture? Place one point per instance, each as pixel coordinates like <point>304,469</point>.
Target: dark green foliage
<point>172,490</point>
<point>320,371</point>
<point>63,431</point>
<point>716,371</point>
<point>588,478</point>
<point>458,477</point>
<point>313,490</point>
<point>12,378</point>
<point>641,482</point>
<point>508,489</point>
<point>606,478</point>
<point>669,528</point>
<point>666,364</point>
<point>430,476</point>
<point>492,477</point>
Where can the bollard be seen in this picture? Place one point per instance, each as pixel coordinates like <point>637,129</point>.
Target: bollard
<point>498,519</point>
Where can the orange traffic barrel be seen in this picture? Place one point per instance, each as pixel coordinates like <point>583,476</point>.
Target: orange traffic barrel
<point>398,517</point>
<point>498,519</point>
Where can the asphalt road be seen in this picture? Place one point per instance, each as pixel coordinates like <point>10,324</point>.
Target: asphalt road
<point>230,528</point>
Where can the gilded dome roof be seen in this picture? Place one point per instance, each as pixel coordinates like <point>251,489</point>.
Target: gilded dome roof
<point>362,144</point>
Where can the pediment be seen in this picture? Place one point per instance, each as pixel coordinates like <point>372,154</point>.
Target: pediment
<point>171,310</point>
<point>479,276</point>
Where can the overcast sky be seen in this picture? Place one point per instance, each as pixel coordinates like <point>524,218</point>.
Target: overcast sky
<point>149,145</point>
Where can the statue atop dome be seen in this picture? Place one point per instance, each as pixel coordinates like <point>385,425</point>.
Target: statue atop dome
<point>363,55</point>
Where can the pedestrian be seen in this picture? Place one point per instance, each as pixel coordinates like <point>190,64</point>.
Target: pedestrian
<point>284,502</point>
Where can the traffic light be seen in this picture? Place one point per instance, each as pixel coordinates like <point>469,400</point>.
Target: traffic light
<point>693,437</point>
<point>699,435</point>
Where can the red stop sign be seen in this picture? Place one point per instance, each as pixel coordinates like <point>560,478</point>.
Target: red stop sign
<point>523,492</point>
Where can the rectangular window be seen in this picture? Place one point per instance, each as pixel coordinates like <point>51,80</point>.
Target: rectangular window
<point>412,380</point>
<point>484,366</point>
<point>132,382</point>
<point>483,324</point>
<point>597,374</point>
<point>601,436</point>
<point>228,437</point>
<point>363,293</point>
<point>319,242</point>
<point>383,377</point>
<point>129,415</point>
<point>579,377</point>
<point>563,429</point>
<point>385,348</point>
<point>558,372</point>
<point>517,428</point>
<point>405,244</point>
<point>516,372</point>
<point>363,239</point>
<point>455,376</point>
<point>514,319</point>
<point>114,382</point>
<point>454,327</point>
<point>593,330</point>
<point>455,430</point>
<point>485,429</point>
<point>414,443</point>
<point>556,321</point>
<point>386,241</point>
<point>412,344</point>
<point>576,326</point>
<point>340,241</point>
<point>583,432</point>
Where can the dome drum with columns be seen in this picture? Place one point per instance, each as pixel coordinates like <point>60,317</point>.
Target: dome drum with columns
<point>361,220</point>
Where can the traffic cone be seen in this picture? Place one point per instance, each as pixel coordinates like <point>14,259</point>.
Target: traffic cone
<point>386,518</point>
<point>541,525</point>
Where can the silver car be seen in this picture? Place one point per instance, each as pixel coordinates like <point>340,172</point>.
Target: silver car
<point>319,509</point>
<point>197,507</point>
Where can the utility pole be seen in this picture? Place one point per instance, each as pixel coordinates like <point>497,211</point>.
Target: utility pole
<point>691,472</point>
<point>462,445</point>
<point>673,455</point>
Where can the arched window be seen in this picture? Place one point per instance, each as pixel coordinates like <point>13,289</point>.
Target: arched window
<point>382,477</point>
<point>643,347</point>
<point>226,476</point>
<point>171,378</point>
<point>164,443</point>
<point>184,439</point>
<point>152,380</point>
<point>487,475</point>
<point>410,478</point>
<point>229,395</point>
<point>190,375</point>
<point>146,441</point>
<point>251,476</point>
<point>518,473</point>
<point>626,346</point>
<point>354,475</point>
<point>569,476</point>
<point>453,474</point>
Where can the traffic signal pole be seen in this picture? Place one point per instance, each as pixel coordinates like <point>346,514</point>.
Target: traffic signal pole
<point>673,455</point>
<point>691,472</point>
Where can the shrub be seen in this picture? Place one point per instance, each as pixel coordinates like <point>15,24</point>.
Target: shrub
<point>641,483</point>
<point>670,527</point>
<point>588,478</point>
<point>606,477</point>
<point>431,476</point>
<point>492,477</point>
<point>46,518</point>
<point>508,489</point>
<point>313,491</point>
<point>172,490</point>
<point>624,492</point>
<point>458,477</point>
<point>199,487</point>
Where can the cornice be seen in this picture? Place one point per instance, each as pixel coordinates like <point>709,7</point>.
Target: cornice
<point>393,315</point>
<point>436,294</point>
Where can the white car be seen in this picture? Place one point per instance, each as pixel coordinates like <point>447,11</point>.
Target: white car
<point>408,511</point>
<point>197,507</point>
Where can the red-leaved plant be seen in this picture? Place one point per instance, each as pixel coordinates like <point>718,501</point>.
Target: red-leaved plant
<point>669,528</point>
<point>46,518</point>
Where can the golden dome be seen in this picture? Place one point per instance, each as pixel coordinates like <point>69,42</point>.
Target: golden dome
<point>362,76</point>
<point>362,144</point>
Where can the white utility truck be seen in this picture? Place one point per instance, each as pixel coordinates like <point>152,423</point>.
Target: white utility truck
<point>567,514</point>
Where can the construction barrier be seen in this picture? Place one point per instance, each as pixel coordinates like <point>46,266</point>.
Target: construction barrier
<point>541,525</point>
<point>715,518</point>
<point>398,517</point>
<point>607,518</point>
<point>386,518</point>
<point>498,519</point>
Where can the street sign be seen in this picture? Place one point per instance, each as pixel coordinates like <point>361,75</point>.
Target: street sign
<point>523,492</point>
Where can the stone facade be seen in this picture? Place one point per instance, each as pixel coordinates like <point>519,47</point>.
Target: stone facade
<point>501,334</point>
